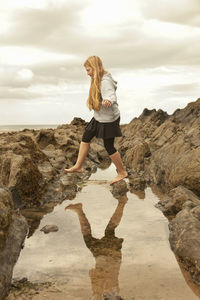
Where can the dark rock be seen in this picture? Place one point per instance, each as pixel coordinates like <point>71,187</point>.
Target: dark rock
<point>10,253</point>
<point>20,162</point>
<point>119,188</point>
<point>176,200</point>
<point>23,280</point>
<point>158,117</point>
<point>136,182</point>
<point>185,240</point>
<point>45,137</point>
<point>68,185</point>
<point>6,211</point>
<point>78,122</point>
<point>49,228</point>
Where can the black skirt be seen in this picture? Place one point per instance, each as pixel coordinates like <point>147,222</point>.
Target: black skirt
<point>104,130</point>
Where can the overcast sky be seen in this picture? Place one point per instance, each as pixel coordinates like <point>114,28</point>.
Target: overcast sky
<point>152,48</point>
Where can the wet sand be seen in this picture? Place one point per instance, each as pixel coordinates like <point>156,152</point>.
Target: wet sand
<point>104,245</point>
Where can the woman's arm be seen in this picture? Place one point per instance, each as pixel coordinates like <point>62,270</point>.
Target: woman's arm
<point>108,92</point>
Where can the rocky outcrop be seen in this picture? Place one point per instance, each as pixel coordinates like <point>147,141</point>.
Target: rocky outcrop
<point>182,207</point>
<point>22,168</point>
<point>164,150</point>
<point>177,199</point>
<point>185,230</point>
<point>31,161</point>
<point>13,229</point>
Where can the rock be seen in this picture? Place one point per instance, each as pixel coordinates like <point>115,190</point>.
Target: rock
<point>25,181</point>
<point>98,153</point>
<point>68,186</point>
<point>119,188</point>
<point>185,240</point>
<point>137,150</point>
<point>182,207</point>
<point>176,200</point>
<point>49,228</point>
<point>23,280</point>
<point>78,122</point>
<point>56,157</point>
<point>10,253</point>
<point>6,211</point>
<point>20,158</point>
<point>89,166</point>
<point>136,182</point>
<point>165,148</point>
<point>65,138</point>
<point>45,137</point>
<point>47,170</point>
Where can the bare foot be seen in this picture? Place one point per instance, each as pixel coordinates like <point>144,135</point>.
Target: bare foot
<point>119,177</point>
<point>73,169</point>
<point>75,207</point>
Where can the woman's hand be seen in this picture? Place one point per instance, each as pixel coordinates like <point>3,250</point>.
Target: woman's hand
<point>107,103</point>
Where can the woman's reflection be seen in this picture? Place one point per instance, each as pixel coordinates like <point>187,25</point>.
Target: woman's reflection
<point>107,251</point>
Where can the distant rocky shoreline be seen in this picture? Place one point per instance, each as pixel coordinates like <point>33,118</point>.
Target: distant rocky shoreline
<point>158,149</point>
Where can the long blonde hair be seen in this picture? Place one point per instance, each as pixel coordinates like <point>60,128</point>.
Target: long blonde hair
<point>94,98</point>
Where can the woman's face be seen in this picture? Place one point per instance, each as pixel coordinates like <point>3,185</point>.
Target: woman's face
<point>89,71</point>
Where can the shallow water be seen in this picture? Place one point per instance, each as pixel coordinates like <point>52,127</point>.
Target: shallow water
<point>132,259</point>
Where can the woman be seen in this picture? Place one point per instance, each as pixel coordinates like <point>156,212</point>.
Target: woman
<point>105,123</point>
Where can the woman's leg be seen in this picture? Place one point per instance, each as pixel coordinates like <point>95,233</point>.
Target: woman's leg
<point>116,217</point>
<point>83,152</point>
<point>85,225</point>
<point>116,159</point>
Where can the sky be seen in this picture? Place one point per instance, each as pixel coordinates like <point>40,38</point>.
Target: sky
<point>151,48</point>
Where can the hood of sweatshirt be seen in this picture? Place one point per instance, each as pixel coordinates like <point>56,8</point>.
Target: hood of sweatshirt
<point>108,76</point>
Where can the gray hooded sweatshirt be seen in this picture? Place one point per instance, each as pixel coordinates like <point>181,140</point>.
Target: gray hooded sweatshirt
<point>108,92</point>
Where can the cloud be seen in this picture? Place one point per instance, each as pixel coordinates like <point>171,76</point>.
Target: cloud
<point>40,27</point>
<point>143,42</point>
<point>181,88</point>
<point>15,77</point>
<point>12,93</point>
<point>179,11</point>
<point>51,72</point>
<point>43,45</point>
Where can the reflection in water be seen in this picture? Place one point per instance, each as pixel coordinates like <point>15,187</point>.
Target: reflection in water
<point>106,251</point>
<point>139,193</point>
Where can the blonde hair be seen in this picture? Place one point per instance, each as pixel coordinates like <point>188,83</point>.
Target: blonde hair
<point>94,98</point>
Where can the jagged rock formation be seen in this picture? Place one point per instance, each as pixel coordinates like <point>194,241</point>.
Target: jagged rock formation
<point>31,159</point>
<point>165,149</point>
